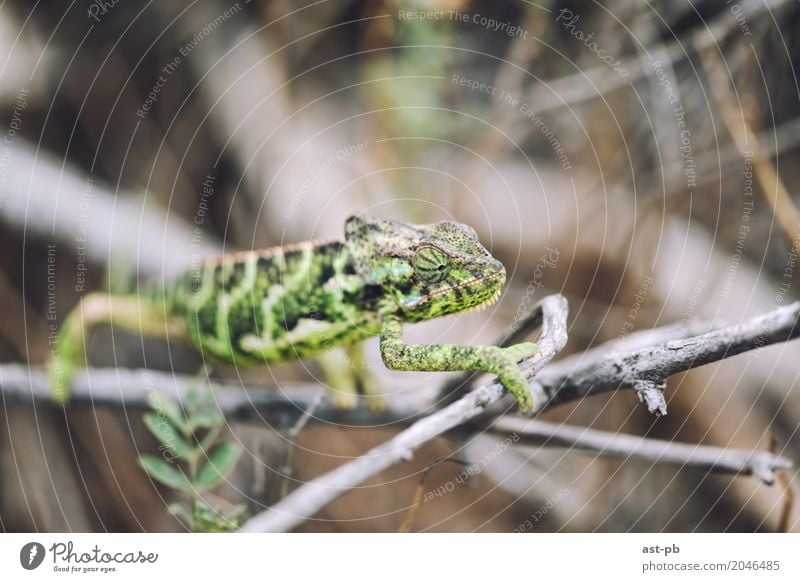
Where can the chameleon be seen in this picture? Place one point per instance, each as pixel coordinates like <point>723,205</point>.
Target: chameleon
<point>300,300</point>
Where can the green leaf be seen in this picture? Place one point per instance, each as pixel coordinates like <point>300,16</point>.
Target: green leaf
<point>164,473</point>
<point>168,435</point>
<point>208,519</point>
<point>221,461</point>
<point>168,408</point>
<point>191,399</point>
<point>182,512</point>
<point>205,419</point>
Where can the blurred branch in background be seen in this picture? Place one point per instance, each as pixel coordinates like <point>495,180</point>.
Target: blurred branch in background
<point>52,200</point>
<point>760,464</point>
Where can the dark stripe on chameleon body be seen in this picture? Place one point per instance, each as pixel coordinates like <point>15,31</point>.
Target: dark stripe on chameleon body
<point>405,287</point>
<point>268,269</point>
<point>289,322</point>
<point>458,294</point>
<point>231,275</point>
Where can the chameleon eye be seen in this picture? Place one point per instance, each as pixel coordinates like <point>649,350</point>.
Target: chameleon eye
<point>431,264</point>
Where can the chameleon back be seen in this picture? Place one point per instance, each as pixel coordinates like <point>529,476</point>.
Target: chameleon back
<point>276,304</point>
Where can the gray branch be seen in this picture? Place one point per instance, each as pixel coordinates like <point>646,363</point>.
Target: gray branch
<point>277,406</point>
<point>647,369</point>
<point>644,359</point>
<point>760,464</point>
<point>314,495</point>
<point>55,200</point>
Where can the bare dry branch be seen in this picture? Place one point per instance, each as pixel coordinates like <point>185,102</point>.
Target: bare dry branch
<point>276,406</point>
<point>760,464</point>
<point>51,198</point>
<point>649,367</point>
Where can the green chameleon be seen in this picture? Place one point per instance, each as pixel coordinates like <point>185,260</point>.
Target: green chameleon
<point>282,303</point>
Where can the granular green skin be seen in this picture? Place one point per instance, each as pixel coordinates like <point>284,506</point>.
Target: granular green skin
<point>283,303</point>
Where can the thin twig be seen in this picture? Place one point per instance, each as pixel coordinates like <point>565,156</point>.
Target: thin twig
<point>291,437</point>
<point>408,522</point>
<point>760,464</point>
<point>789,495</point>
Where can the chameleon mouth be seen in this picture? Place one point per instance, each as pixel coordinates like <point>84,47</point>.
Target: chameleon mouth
<point>484,304</point>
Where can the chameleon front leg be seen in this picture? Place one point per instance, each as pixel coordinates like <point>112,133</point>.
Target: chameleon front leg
<point>345,373</point>
<point>502,362</point>
<point>127,312</point>
<point>341,382</point>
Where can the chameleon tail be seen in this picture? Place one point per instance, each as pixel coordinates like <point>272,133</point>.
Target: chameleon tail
<point>144,315</point>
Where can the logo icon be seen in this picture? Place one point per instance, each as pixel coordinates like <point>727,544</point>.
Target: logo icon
<point>31,555</point>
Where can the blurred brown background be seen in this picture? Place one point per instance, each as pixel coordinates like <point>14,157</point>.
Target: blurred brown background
<point>618,153</point>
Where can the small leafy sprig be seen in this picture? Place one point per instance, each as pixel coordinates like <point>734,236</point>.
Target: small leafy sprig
<point>192,461</point>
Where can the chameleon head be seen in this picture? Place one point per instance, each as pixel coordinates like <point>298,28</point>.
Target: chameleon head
<point>427,270</point>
